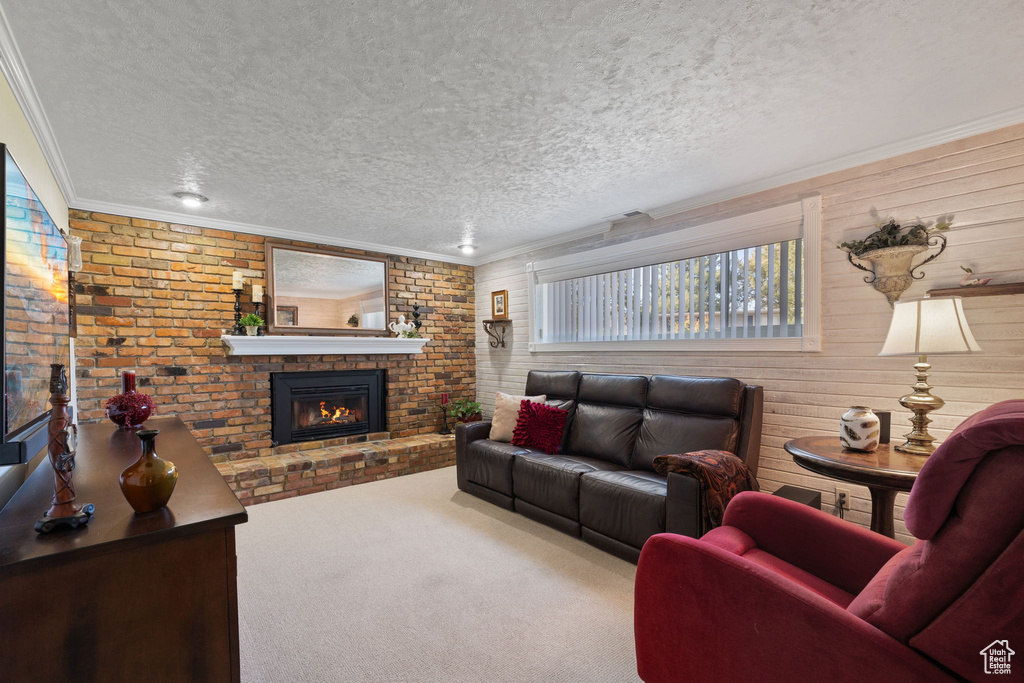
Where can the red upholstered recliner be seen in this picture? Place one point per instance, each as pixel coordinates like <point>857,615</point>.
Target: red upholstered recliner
<point>783,592</point>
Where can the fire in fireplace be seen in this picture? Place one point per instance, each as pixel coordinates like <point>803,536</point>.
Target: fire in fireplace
<point>309,406</point>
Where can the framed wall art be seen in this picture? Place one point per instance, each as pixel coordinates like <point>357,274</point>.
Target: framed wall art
<point>499,305</point>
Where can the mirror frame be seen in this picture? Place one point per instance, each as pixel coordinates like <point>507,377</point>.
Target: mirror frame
<point>273,328</point>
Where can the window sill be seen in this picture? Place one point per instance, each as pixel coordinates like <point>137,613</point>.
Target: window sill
<point>804,344</point>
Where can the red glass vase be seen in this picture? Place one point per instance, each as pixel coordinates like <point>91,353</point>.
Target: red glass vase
<point>129,409</point>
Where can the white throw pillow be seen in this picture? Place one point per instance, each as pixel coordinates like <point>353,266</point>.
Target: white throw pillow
<point>506,412</point>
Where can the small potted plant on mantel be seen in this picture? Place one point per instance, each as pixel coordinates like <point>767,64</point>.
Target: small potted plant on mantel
<point>891,250</point>
<point>464,410</point>
<point>252,324</point>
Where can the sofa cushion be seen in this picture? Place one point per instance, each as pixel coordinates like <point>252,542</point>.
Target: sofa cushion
<point>687,414</point>
<point>608,415</point>
<point>628,506</point>
<point>506,412</point>
<point>489,463</point>
<point>552,482</point>
<point>668,433</point>
<point>720,396</point>
<point>540,426</point>
<point>555,384</point>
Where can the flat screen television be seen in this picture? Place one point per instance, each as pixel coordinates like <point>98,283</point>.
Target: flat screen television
<point>34,326</point>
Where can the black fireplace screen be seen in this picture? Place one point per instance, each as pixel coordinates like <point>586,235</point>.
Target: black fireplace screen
<point>323,405</point>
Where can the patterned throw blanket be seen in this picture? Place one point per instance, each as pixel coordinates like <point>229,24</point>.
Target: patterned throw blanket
<point>721,476</point>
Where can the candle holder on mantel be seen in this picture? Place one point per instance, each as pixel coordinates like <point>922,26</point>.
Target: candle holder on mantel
<point>257,303</point>
<point>238,329</point>
<point>64,512</point>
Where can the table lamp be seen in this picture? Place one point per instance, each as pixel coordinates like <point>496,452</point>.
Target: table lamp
<point>923,327</point>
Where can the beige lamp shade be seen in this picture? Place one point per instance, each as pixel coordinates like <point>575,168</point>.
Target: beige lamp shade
<point>929,326</point>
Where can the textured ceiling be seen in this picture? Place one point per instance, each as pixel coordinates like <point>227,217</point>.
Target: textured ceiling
<point>423,124</point>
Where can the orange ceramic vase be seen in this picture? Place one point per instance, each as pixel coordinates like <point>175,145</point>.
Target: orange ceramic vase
<point>149,482</point>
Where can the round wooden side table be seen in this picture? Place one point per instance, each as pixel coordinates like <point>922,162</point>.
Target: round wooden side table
<point>885,472</point>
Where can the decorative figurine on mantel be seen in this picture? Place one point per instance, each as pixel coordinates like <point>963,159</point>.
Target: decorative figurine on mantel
<point>402,328</point>
<point>61,450</point>
<point>972,280</point>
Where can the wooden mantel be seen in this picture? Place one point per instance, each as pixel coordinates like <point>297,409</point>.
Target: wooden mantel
<point>287,345</point>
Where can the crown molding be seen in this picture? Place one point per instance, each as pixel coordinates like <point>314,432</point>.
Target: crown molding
<point>14,70</point>
<point>262,230</point>
<point>913,143</point>
<point>562,238</point>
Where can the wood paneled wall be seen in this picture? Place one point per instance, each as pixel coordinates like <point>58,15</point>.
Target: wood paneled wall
<point>979,181</point>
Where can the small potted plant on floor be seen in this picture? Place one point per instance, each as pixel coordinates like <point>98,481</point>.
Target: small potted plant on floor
<point>464,410</point>
<point>252,324</point>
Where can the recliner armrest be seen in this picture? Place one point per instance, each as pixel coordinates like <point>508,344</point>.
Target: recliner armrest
<point>704,614</point>
<point>840,552</point>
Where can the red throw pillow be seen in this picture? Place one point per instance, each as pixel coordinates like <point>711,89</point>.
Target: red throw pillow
<point>539,426</point>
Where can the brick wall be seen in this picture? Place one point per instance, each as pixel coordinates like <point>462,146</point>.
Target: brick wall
<point>155,297</point>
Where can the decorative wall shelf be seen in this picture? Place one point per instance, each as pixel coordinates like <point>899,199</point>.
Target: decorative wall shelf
<point>287,345</point>
<point>984,290</point>
<point>495,329</point>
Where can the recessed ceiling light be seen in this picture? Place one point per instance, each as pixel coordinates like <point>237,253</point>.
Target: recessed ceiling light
<point>191,198</point>
<point>467,248</point>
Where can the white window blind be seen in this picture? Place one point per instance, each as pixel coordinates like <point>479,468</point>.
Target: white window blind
<point>760,287</point>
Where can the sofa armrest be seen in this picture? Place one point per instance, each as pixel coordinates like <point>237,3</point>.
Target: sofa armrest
<point>465,434</point>
<point>838,551</point>
<point>720,475</point>
<point>704,614</point>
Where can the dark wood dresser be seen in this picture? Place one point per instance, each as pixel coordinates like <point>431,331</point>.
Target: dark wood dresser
<point>148,597</point>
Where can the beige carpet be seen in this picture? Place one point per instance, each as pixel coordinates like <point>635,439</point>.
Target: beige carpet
<point>412,580</point>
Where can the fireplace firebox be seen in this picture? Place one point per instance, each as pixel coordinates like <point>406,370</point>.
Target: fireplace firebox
<point>309,406</point>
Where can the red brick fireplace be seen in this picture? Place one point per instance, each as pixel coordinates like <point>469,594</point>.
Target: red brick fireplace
<point>155,297</point>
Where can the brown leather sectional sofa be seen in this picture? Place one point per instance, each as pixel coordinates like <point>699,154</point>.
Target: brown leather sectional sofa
<point>603,487</point>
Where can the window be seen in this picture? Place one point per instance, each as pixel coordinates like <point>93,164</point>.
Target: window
<point>738,283</point>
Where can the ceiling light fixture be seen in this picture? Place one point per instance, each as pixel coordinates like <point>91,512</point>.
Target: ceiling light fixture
<point>467,248</point>
<point>191,198</point>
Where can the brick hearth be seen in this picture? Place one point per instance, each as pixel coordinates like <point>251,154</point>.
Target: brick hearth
<point>155,297</point>
<point>274,477</point>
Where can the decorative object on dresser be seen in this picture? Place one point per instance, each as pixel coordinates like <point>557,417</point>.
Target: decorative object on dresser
<point>64,510</point>
<point>859,429</point>
<point>922,327</point>
<point>136,597</point>
<point>129,409</point>
<point>499,305</point>
<point>891,250</point>
<point>326,287</point>
<point>846,604</point>
<point>147,484</point>
<point>74,266</point>
<point>603,486</point>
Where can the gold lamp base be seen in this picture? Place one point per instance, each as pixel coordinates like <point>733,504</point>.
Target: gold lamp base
<point>921,402</point>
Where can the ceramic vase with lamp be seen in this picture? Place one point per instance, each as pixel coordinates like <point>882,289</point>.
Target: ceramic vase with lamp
<point>859,429</point>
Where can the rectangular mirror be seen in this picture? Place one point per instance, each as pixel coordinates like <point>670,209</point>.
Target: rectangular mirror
<point>325,291</point>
